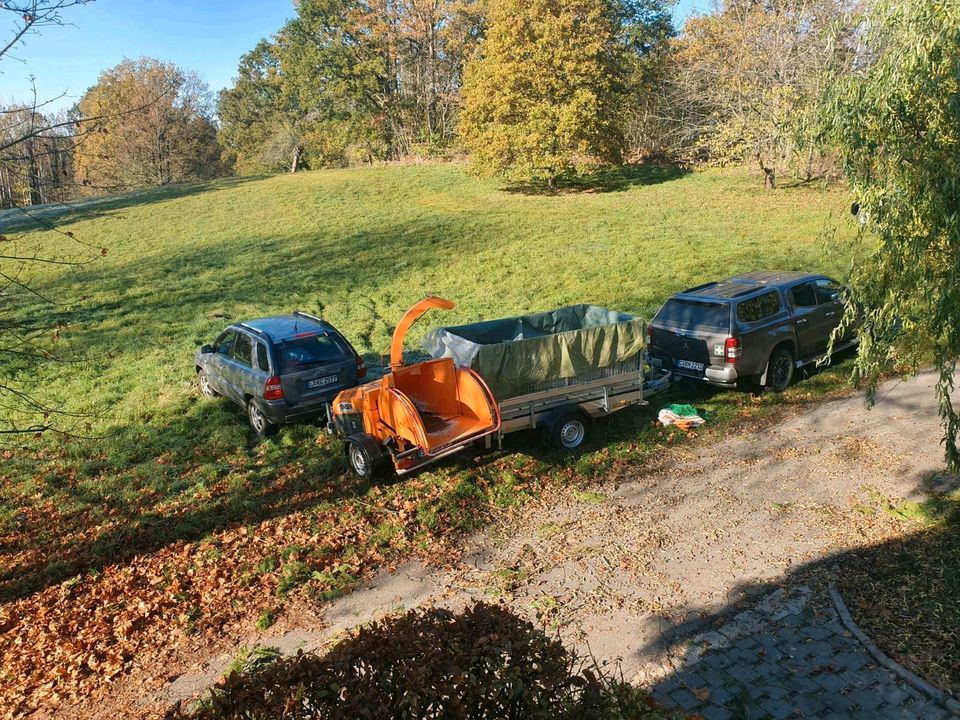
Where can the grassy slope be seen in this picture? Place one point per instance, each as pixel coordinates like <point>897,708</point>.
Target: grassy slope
<point>359,246</point>
<point>195,528</point>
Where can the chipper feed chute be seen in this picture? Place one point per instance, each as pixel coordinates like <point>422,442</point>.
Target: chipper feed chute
<point>415,413</point>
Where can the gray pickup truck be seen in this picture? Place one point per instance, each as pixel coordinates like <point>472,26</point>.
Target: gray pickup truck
<point>752,329</point>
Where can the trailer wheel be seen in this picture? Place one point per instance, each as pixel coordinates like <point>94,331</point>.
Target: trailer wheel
<point>362,456</point>
<point>569,431</point>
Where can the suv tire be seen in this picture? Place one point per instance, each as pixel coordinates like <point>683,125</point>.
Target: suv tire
<point>259,423</point>
<point>203,380</point>
<point>780,369</point>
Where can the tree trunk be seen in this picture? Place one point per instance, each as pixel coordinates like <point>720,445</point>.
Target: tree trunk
<point>769,174</point>
<point>295,162</point>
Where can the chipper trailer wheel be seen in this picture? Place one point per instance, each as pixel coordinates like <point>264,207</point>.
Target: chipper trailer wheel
<point>364,455</point>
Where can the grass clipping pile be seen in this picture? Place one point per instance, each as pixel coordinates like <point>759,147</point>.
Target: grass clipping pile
<point>482,662</point>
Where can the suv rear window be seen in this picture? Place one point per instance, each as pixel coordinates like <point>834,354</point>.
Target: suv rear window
<point>305,352</point>
<point>759,307</point>
<point>691,314</point>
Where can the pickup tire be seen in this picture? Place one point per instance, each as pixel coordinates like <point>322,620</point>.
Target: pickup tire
<point>780,369</point>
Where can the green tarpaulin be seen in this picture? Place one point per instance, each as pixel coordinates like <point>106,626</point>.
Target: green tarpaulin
<point>513,354</point>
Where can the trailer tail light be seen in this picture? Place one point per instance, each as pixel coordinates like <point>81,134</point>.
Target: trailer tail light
<point>272,389</point>
<point>732,349</point>
<point>361,368</point>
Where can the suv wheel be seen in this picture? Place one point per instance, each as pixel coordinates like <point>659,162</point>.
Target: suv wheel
<point>259,423</point>
<point>203,380</point>
<point>780,370</point>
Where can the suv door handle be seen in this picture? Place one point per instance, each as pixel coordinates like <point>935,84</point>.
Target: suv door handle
<point>830,314</point>
<point>801,321</point>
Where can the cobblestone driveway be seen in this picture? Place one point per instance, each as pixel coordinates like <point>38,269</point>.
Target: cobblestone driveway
<point>789,657</point>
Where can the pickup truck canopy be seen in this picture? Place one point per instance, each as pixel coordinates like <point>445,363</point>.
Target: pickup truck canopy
<point>513,354</point>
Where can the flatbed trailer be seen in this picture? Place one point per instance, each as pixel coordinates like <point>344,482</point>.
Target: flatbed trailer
<point>565,413</point>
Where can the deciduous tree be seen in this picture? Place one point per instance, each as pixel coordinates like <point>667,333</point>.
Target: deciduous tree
<point>147,123</point>
<point>743,83</point>
<point>543,98</point>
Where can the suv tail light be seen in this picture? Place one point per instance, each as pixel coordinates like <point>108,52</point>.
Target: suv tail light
<point>361,368</point>
<point>649,333</point>
<point>732,349</point>
<point>272,389</point>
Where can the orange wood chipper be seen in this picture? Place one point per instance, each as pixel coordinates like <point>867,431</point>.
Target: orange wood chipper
<point>416,413</point>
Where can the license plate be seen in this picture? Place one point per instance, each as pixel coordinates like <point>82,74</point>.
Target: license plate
<point>322,382</point>
<point>690,365</point>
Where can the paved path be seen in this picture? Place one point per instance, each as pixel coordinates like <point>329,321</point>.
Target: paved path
<point>789,657</point>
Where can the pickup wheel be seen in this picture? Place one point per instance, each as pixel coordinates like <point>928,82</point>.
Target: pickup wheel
<point>569,431</point>
<point>203,380</point>
<point>259,423</point>
<point>780,369</point>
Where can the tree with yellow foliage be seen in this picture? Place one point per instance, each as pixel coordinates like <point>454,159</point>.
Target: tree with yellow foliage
<point>543,98</point>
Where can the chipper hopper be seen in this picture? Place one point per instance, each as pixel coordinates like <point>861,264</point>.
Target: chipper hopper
<point>416,413</point>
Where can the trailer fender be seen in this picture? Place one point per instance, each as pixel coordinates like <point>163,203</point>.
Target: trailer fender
<point>364,454</point>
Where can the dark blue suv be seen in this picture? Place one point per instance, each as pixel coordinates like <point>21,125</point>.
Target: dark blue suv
<point>280,368</point>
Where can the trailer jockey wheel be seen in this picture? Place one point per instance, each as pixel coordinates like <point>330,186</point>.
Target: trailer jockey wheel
<point>362,461</point>
<point>569,431</point>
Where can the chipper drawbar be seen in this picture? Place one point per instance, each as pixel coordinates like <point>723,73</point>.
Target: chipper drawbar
<point>414,414</point>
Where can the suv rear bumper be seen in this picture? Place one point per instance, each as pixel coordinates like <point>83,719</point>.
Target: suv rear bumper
<point>724,376</point>
<point>278,411</point>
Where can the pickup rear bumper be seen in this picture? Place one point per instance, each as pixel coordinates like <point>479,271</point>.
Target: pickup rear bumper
<point>724,376</point>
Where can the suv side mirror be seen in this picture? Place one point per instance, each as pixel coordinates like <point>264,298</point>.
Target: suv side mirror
<point>206,349</point>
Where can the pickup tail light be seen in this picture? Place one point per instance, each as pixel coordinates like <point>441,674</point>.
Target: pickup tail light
<point>273,389</point>
<point>732,349</point>
<point>361,368</point>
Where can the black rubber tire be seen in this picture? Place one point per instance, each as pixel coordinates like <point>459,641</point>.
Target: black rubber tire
<point>569,432</point>
<point>259,423</point>
<point>203,380</point>
<point>360,461</point>
<point>780,370</point>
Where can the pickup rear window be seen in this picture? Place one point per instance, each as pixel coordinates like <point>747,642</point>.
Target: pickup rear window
<point>691,314</point>
<point>301,353</point>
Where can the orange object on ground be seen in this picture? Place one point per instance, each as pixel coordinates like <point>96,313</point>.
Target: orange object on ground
<point>414,414</point>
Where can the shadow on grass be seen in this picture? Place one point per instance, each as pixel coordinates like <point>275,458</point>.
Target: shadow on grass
<point>604,181</point>
<point>41,217</point>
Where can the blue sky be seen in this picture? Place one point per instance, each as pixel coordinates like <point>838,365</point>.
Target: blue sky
<point>208,36</point>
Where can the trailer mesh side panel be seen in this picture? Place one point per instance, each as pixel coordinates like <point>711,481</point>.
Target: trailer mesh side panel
<point>625,367</point>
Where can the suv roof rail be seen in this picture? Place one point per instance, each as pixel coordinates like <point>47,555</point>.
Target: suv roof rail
<point>258,331</point>
<point>701,287</point>
<point>310,317</point>
<point>749,290</point>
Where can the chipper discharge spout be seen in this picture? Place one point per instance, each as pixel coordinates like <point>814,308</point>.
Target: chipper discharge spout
<point>416,413</point>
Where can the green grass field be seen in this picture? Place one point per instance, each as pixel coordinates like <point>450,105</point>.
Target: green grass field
<point>170,522</point>
<point>357,246</point>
